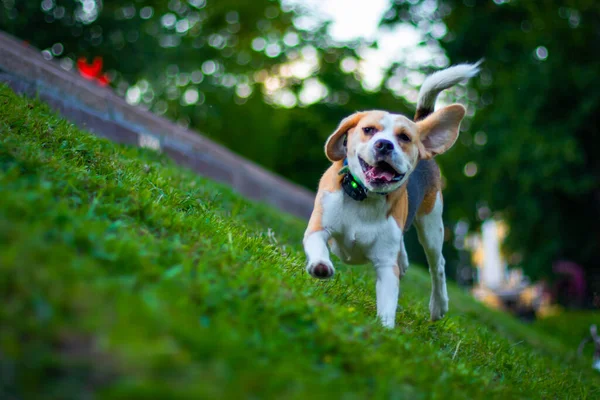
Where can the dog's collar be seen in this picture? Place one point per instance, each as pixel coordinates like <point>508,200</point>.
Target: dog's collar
<point>352,185</point>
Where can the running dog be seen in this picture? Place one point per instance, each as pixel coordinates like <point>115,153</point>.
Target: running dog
<point>382,179</point>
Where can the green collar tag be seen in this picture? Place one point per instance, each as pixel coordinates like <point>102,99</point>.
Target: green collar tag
<point>352,186</point>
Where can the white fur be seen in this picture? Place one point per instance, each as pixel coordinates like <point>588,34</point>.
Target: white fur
<point>360,233</point>
<point>387,289</point>
<point>442,80</point>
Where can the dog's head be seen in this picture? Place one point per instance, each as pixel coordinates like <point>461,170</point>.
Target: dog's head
<point>383,148</point>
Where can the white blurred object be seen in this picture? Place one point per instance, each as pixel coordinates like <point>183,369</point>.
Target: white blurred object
<point>494,268</point>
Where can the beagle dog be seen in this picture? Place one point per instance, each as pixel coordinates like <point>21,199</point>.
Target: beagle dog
<point>382,179</point>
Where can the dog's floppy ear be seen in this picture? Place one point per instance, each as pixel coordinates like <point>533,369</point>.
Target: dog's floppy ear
<point>335,148</point>
<point>439,131</point>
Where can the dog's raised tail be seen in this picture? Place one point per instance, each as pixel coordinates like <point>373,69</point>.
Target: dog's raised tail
<point>441,80</point>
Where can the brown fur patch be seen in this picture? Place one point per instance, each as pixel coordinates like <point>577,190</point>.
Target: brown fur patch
<point>439,131</point>
<point>423,153</point>
<point>360,120</point>
<point>399,130</point>
<point>332,145</point>
<point>330,182</point>
<point>428,202</point>
<point>434,185</point>
<point>398,201</point>
<point>371,118</point>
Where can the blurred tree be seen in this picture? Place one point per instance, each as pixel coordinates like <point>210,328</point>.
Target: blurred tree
<point>233,70</point>
<point>529,151</point>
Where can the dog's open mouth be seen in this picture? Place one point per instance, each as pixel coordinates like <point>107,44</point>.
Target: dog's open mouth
<point>380,173</point>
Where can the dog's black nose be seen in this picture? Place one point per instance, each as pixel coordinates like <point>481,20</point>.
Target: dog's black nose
<point>384,147</point>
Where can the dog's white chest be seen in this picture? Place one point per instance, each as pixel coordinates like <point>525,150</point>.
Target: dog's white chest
<point>361,231</point>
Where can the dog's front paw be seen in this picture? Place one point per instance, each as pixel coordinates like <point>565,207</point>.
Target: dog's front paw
<point>438,307</point>
<point>321,269</point>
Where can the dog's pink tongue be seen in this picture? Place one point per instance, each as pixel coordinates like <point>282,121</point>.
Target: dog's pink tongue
<point>387,175</point>
<point>377,173</point>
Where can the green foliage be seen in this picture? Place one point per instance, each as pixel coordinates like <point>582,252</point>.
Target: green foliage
<point>123,276</point>
<point>537,117</point>
<point>221,54</point>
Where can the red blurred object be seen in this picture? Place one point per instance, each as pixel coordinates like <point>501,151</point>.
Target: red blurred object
<point>90,71</point>
<point>103,80</point>
<point>93,71</point>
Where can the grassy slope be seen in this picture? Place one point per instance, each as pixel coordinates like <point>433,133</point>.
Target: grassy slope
<point>125,276</point>
<point>571,328</point>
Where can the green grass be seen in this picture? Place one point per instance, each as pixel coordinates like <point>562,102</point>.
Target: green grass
<point>123,276</point>
<point>571,328</point>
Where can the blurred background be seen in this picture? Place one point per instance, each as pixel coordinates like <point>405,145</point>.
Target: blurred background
<point>271,80</point>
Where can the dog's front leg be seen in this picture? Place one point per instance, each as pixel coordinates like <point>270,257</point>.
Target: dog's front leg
<point>387,287</point>
<point>317,254</point>
<point>315,244</point>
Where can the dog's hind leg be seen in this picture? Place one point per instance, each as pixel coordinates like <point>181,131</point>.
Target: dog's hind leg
<point>430,229</point>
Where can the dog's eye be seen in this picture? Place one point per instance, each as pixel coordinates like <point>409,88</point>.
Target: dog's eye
<point>369,130</point>
<point>404,138</point>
